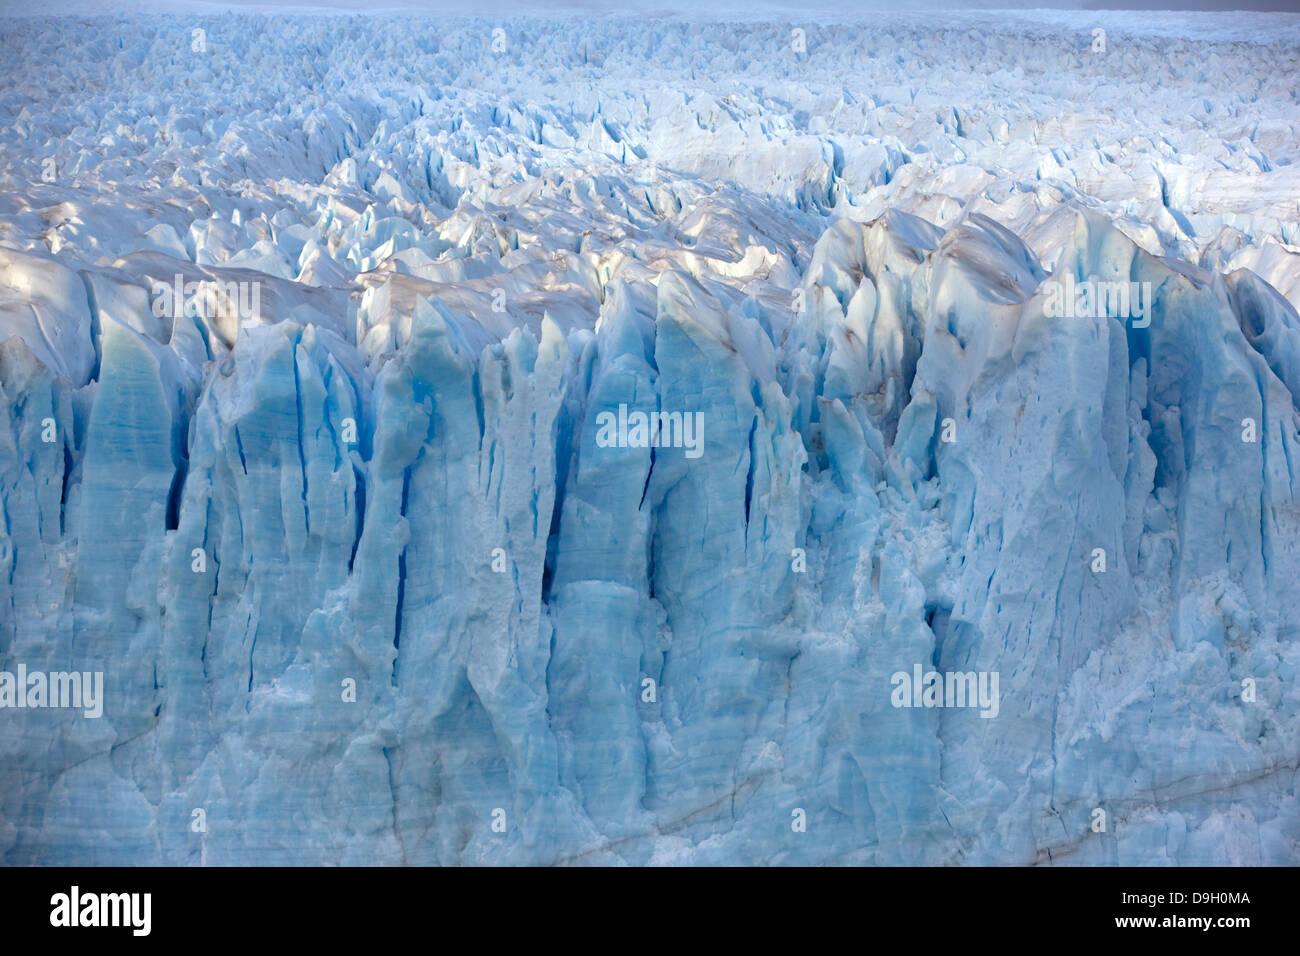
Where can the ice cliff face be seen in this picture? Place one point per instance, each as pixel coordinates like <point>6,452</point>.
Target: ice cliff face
<point>327,347</point>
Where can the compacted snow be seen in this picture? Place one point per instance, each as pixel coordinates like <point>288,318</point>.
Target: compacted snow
<point>579,440</point>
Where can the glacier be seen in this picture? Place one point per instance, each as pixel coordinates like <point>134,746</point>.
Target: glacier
<point>307,324</point>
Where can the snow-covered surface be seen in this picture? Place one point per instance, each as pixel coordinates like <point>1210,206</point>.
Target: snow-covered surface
<point>467,246</point>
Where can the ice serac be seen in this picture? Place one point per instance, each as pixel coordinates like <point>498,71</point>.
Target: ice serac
<point>371,578</point>
<point>600,573</point>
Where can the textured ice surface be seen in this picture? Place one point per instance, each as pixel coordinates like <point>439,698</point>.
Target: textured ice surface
<point>365,582</point>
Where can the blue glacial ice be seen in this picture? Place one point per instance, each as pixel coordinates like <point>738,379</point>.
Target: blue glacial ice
<point>307,332</point>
